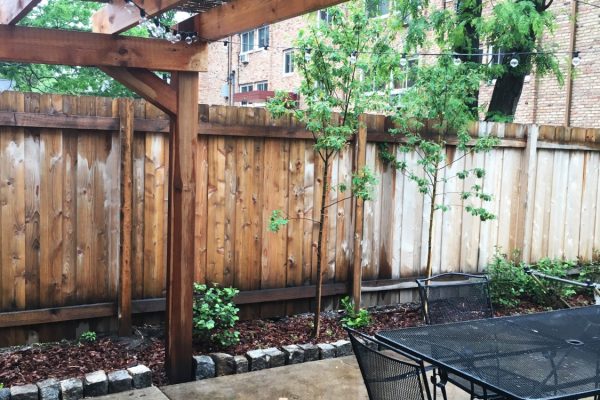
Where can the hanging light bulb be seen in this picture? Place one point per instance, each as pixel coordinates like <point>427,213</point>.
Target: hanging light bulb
<point>169,36</point>
<point>195,38</point>
<point>189,40</point>
<point>403,61</point>
<point>514,61</point>
<point>159,30</point>
<point>177,37</point>
<point>457,61</point>
<point>352,58</point>
<point>307,56</point>
<point>143,17</point>
<point>576,60</point>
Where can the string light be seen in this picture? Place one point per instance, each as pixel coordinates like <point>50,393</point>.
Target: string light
<point>143,17</point>
<point>576,60</point>
<point>514,61</point>
<point>352,58</point>
<point>403,61</point>
<point>457,61</point>
<point>307,55</point>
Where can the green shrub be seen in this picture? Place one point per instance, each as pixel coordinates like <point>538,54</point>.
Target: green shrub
<point>508,281</point>
<point>549,292</point>
<point>87,337</point>
<point>215,315</point>
<point>351,318</point>
<point>510,284</point>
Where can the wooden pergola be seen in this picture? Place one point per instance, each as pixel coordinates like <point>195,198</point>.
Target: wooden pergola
<point>131,60</point>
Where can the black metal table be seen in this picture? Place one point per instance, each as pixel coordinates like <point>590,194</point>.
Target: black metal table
<point>550,355</point>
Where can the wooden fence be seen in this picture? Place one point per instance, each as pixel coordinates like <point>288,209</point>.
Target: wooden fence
<point>60,188</point>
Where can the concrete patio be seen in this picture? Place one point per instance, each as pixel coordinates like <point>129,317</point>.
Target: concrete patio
<point>337,378</point>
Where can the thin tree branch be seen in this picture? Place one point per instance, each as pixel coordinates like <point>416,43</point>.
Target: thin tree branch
<point>338,201</point>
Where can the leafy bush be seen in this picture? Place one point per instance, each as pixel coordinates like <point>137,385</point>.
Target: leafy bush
<point>88,337</point>
<point>508,281</point>
<point>351,318</point>
<point>215,314</point>
<point>550,291</point>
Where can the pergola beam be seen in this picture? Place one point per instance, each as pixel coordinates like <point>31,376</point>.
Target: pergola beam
<point>52,46</point>
<point>241,15</point>
<point>118,16</point>
<point>146,84</point>
<point>12,11</point>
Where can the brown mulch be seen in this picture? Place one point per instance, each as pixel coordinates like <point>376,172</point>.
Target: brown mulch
<point>71,359</point>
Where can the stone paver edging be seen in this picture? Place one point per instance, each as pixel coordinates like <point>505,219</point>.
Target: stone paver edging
<point>91,385</point>
<point>220,364</point>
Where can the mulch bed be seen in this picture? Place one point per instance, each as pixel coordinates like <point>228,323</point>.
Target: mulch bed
<point>67,359</point>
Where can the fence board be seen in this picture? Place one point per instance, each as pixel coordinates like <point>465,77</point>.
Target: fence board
<point>32,207</point>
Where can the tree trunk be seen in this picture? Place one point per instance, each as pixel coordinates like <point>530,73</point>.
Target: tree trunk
<point>429,270</point>
<point>322,217</point>
<point>506,95</point>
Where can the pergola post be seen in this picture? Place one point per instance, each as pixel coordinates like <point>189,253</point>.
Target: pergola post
<point>180,247</point>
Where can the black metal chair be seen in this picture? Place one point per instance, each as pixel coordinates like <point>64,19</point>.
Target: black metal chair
<point>386,375</point>
<point>455,297</point>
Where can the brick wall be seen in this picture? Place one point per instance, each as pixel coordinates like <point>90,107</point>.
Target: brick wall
<point>543,100</point>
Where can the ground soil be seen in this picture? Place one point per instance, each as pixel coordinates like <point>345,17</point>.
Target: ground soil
<point>66,359</point>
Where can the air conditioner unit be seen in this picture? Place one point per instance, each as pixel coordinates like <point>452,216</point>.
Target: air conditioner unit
<point>244,59</point>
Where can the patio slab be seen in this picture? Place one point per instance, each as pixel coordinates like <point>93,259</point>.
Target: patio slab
<point>337,378</point>
<point>150,393</point>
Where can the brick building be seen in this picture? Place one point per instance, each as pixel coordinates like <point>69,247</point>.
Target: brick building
<point>243,72</point>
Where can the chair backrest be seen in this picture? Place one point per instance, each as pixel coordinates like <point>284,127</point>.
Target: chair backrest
<point>385,376</point>
<point>455,297</point>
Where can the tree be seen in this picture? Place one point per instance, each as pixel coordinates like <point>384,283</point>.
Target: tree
<point>332,58</point>
<point>440,99</point>
<point>69,15</point>
<point>513,28</point>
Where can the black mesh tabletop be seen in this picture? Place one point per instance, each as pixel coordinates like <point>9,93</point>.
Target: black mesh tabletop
<point>551,355</point>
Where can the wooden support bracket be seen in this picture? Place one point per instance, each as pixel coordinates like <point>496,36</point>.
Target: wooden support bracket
<point>146,84</point>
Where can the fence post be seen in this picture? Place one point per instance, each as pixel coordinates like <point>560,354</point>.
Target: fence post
<point>126,171</point>
<point>361,159</point>
<point>527,192</point>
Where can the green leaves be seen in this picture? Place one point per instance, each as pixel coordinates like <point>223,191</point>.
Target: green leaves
<point>277,220</point>
<point>351,318</point>
<point>215,314</point>
<point>363,183</point>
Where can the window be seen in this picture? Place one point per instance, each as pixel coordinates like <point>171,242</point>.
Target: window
<point>407,78</point>
<point>246,88</point>
<point>262,86</point>
<point>377,8</point>
<point>247,41</point>
<point>493,56</point>
<point>263,37</point>
<point>288,62</point>
<point>324,17</point>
